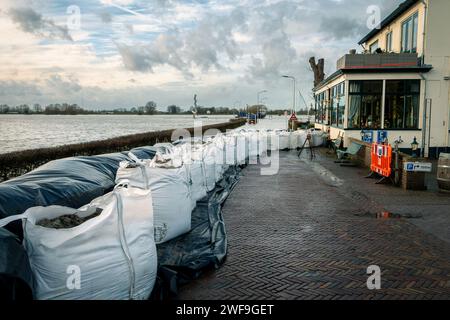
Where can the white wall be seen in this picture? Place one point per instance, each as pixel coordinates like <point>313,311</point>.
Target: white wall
<point>437,54</point>
<point>396,28</point>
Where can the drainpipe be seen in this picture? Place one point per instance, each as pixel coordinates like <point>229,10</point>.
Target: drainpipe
<point>425,20</point>
<point>424,124</point>
<point>424,120</point>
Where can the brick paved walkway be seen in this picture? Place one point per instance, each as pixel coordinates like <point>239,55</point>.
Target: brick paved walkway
<point>296,236</point>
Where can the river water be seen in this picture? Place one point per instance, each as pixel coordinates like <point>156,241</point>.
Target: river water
<point>22,132</point>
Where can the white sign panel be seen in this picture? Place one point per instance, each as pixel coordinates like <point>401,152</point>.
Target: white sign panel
<point>418,166</point>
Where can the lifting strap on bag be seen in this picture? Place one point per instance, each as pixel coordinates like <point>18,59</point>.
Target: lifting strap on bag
<point>123,240</point>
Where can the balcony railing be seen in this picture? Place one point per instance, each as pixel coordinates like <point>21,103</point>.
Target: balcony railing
<point>378,60</point>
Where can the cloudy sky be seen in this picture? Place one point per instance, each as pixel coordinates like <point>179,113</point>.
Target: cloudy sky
<point>123,53</point>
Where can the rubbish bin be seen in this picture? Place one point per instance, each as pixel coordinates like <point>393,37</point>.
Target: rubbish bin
<point>413,175</point>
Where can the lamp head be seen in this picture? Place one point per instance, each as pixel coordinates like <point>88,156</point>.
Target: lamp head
<point>414,144</point>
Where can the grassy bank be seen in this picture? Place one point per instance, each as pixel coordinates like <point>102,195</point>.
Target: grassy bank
<point>17,163</point>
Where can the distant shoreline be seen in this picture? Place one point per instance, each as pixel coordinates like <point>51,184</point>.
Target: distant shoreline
<point>116,114</point>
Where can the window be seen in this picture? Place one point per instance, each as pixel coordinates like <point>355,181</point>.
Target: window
<point>365,104</point>
<point>337,103</point>
<point>389,42</point>
<point>333,115</point>
<point>320,107</point>
<point>341,105</point>
<point>316,108</point>
<point>409,34</point>
<point>374,46</point>
<point>326,107</point>
<point>402,104</point>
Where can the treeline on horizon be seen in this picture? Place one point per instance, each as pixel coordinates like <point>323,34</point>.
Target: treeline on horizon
<point>150,108</point>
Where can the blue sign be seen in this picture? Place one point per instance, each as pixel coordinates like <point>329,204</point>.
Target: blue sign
<point>367,136</point>
<point>381,136</point>
<point>418,166</point>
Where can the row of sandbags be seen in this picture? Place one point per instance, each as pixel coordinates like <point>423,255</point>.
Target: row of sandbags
<point>150,204</point>
<point>285,140</point>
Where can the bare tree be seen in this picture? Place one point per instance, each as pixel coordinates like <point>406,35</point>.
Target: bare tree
<point>150,107</point>
<point>318,70</point>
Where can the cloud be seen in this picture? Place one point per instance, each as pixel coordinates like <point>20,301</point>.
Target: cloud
<point>105,16</point>
<point>32,22</point>
<point>129,28</point>
<point>277,54</point>
<point>19,89</point>
<point>199,47</point>
<point>63,85</point>
<point>135,58</point>
<point>342,27</point>
<point>206,47</point>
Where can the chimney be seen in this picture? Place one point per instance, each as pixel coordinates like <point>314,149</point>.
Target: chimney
<point>353,51</point>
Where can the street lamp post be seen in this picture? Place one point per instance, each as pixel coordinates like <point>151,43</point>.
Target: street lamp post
<point>238,102</point>
<point>294,94</point>
<point>257,103</point>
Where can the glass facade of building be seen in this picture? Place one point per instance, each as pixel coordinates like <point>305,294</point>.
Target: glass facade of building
<point>365,99</point>
<point>402,104</point>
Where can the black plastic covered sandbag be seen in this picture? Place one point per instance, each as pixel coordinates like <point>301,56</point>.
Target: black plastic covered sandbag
<point>15,272</point>
<point>144,152</point>
<point>187,257</point>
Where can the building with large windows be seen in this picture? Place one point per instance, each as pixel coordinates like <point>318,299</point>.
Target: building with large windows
<point>399,83</point>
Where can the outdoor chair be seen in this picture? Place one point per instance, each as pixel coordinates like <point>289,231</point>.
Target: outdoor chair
<point>335,144</point>
<point>345,156</point>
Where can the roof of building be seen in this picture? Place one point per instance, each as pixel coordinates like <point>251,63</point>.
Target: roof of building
<point>340,72</point>
<point>330,78</point>
<point>404,6</point>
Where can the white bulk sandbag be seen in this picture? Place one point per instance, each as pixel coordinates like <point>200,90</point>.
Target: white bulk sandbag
<point>183,151</point>
<point>252,138</point>
<point>196,182</point>
<point>193,160</point>
<point>297,139</point>
<point>284,138</point>
<point>197,178</point>
<point>219,155</point>
<point>293,140</point>
<point>169,182</point>
<point>302,135</point>
<point>110,257</point>
<point>230,150</point>
<point>211,170</point>
<point>317,138</point>
<point>202,182</point>
<point>273,141</point>
<point>241,147</point>
<point>262,143</point>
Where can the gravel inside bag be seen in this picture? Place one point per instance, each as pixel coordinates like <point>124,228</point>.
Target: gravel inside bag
<point>67,221</point>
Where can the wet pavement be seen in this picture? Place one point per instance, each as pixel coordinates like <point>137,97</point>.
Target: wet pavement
<point>310,232</point>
